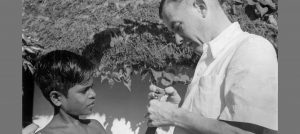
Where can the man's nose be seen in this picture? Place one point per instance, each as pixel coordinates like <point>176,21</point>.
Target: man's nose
<point>179,39</point>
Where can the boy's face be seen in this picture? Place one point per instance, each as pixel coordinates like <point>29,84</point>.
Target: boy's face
<point>80,99</point>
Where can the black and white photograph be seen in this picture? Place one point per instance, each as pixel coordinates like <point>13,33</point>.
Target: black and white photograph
<point>149,66</point>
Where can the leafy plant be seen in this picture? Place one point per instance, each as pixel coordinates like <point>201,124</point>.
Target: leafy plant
<point>126,37</point>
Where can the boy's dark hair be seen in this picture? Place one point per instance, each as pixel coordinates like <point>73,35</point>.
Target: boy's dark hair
<point>60,70</point>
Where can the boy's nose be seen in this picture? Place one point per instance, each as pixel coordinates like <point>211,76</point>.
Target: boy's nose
<point>92,94</point>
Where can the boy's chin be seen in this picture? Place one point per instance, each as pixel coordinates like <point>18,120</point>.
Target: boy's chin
<point>88,112</point>
<point>85,115</point>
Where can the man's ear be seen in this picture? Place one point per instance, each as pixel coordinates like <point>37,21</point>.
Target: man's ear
<point>201,7</point>
<point>56,98</point>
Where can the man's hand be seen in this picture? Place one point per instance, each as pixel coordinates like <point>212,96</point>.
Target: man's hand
<point>168,94</point>
<point>160,113</point>
<point>163,103</point>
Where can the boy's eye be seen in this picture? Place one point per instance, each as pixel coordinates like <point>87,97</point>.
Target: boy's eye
<point>86,89</point>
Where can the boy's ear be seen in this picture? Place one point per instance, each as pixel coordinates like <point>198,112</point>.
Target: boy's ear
<point>201,7</point>
<point>56,98</point>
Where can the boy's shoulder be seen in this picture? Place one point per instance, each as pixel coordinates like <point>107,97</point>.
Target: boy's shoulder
<point>92,126</point>
<point>52,130</point>
<point>96,126</point>
<point>47,131</point>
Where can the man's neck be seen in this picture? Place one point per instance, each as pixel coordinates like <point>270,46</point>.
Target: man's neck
<point>219,22</point>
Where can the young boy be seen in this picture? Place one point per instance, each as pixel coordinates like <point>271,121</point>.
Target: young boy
<point>66,80</point>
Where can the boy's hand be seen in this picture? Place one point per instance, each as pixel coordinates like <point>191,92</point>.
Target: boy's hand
<point>30,129</point>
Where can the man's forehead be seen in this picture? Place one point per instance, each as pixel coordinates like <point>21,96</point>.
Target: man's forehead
<point>171,6</point>
<point>177,2</point>
<point>171,3</point>
<point>169,9</point>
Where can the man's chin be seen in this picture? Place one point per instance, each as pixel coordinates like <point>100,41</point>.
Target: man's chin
<point>192,44</point>
<point>196,47</point>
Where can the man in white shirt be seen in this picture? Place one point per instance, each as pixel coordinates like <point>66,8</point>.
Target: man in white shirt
<point>235,84</point>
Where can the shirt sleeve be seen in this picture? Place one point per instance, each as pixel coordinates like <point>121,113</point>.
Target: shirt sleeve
<point>251,85</point>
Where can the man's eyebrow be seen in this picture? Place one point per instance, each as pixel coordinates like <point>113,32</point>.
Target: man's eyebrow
<point>174,24</point>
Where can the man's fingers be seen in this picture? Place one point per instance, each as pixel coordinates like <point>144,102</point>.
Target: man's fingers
<point>152,102</point>
<point>156,89</point>
<point>170,91</point>
<point>152,88</point>
<point>152,95</point>
<point>173,95</point>
<point>164,98</point>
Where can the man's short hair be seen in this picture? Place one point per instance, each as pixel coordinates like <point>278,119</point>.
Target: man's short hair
<point>60,70</point>
<point>163,2</point>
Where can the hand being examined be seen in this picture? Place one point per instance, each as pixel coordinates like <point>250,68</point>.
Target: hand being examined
<point>163,103</point>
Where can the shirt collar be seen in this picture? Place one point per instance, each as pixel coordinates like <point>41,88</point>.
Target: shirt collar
<point>216,45</point>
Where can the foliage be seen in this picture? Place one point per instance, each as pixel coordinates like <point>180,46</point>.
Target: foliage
<point>126,36</point>
<point>29,53</point>
<point>255,16</point>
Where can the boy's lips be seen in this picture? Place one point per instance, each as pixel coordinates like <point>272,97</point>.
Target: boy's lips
<point>91,104</point>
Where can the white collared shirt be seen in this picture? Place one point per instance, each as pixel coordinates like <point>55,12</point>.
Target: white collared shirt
<point>236,79</point>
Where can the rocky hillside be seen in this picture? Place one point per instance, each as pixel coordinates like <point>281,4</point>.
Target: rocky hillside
<point>255,16</point>
<point>124,36</point>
